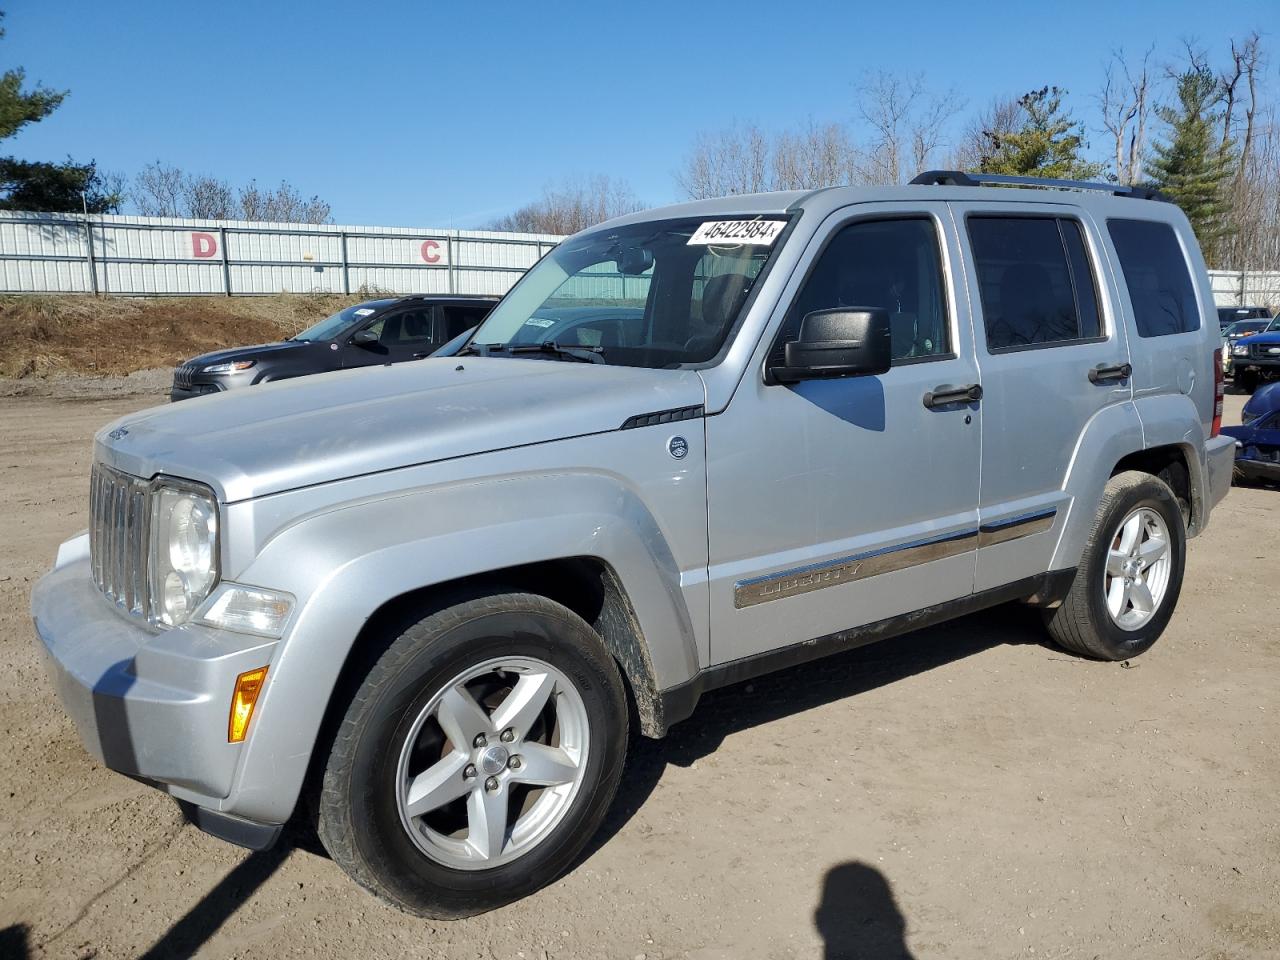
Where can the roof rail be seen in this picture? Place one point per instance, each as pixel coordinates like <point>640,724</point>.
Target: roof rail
<point>958,178</point>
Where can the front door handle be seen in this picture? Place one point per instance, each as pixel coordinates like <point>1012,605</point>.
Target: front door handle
<point>1110,372</point>
<point>948,394</point>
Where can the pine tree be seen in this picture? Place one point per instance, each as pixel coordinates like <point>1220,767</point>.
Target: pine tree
<point>1048,144</point>
<point>37,185</point>
<point>1193,164</point>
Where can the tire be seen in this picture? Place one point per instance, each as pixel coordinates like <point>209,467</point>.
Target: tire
<point>444,862</point>
<point>1247,381</point>
<point>1084,622</point>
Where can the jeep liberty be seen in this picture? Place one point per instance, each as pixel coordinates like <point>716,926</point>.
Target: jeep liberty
<point>430,602</point>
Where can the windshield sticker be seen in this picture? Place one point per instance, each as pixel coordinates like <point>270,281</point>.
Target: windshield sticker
<point>364,312</point>
<point>760,232</point>
<point>539,322</point>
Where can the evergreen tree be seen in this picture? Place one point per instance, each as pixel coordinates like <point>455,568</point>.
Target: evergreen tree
<point>1193,164</point>
<point>1048,144</point>
<point>36,185</point>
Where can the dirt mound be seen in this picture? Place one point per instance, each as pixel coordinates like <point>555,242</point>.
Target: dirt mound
<point>50,336</point>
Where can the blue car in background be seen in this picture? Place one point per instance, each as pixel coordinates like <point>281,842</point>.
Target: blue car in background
<point>1255,358</point>
<point>1258,437</point>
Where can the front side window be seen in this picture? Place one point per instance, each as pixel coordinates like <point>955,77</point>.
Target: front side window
<point>1155,271</point>
<point>1035,281</point>
<point>654,294</point>
<point>893,265</point>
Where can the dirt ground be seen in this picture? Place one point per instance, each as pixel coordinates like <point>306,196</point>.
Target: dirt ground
<point>964,792</point>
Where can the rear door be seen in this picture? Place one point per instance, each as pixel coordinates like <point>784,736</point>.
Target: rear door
<point>1053,352</point>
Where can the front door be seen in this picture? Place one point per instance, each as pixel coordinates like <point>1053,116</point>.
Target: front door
<point>1053,354</point>
<point>838,503</point>
<point>402,335</point>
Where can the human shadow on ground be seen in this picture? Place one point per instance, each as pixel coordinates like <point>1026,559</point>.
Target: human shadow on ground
<point>858,917</point>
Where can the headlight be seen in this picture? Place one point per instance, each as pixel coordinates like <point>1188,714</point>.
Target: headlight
<point>184,550</point>
<point>234,367</point>
<point>1240,350</point>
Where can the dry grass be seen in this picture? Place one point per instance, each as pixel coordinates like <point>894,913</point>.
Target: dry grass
<point>42,336</point>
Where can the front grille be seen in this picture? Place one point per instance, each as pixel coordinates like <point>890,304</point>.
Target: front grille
<point>183,375</point>
<point>118,520</point>
<point>1262,351</point>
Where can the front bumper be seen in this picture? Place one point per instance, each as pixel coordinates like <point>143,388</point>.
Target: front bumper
<point>1219,455</point>
<point>177,393</point>
<point>151,705</point>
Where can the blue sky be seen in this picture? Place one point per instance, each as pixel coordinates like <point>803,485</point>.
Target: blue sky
<point>439,114</point>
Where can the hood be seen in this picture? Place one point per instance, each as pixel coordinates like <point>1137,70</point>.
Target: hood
<point>247,353</point>
<point>295,433</point>
<point>1272,337</point>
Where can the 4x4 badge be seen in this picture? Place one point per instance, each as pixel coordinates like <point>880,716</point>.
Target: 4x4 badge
<point>678,447</point>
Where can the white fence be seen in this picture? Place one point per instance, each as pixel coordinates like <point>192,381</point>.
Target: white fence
<point>161,256</point>
<point>1246,288</point>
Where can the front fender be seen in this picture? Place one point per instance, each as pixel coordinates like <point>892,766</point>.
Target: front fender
<point>345,563</point>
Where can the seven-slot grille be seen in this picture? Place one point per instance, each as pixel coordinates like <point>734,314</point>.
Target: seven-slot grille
<point>118,520</point>
<point>183,375</point>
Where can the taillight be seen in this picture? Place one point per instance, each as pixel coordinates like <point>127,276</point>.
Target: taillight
<point>1218,388</point>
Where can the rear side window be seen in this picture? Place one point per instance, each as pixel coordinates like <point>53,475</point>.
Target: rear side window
<point>1035,280</point>
<point>1155,271</point>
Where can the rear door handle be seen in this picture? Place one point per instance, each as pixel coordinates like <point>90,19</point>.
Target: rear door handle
<point>1107,373</point>
<point>947,394</point>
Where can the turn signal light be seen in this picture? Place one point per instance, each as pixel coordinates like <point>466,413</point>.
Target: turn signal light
<point>248,686</point>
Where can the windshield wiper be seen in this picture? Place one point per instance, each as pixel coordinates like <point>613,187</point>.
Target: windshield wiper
<point>581,352</point>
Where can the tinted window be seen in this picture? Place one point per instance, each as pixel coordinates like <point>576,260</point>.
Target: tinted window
<point>1035,281</point>
<point>455,320</point>
<point>891,264</point>
<point>1155,271</point>
<point>411,326</point>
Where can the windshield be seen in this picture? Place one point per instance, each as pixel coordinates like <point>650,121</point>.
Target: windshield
<point>656,294</point>
<point>333,326</point>
<point>1242,328</point>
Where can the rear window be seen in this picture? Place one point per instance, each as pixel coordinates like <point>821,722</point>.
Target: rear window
<point>1155,271</point>
<point>1035,281</point>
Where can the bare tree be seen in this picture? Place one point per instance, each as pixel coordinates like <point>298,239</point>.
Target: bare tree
<point>158,191</point>
<point>1125,102</point>
<point>572,205</point>
<point>1246,63</point>
<point>728,162</point>
<point>907,122</point>
<point>816,156</point>
<point>978,140</point>
<point>163,190</point>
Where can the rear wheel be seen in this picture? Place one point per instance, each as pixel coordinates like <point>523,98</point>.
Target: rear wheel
<point>477,758</point>
<point>1130,574</point>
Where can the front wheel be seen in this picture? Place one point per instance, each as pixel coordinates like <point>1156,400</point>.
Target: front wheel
<point>477,758</point>
<point>1247,380</point>
<point>1130,574</point>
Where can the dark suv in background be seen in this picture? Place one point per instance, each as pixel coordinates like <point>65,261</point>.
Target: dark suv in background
<point>373,332</point>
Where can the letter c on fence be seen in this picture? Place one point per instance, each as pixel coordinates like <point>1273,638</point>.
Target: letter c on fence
<point>431,251</point>
<point>203,245</point>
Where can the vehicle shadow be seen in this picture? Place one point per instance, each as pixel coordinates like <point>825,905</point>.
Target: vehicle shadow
<point>194,928</point>
<point>796,689</point>
<point>858,917</point>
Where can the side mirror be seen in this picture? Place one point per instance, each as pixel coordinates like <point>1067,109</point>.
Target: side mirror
<point>845,342</point>
<point>365,337</point>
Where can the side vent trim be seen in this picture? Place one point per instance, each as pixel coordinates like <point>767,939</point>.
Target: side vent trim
<point>662,416</point>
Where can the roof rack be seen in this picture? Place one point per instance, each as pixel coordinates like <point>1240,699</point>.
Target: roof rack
<point>958,178</point>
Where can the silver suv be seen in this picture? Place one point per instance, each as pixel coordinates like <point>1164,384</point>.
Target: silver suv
<point>690,446</point>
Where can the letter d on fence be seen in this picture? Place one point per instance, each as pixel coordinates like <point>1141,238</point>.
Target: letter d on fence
<point>203,245</point>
